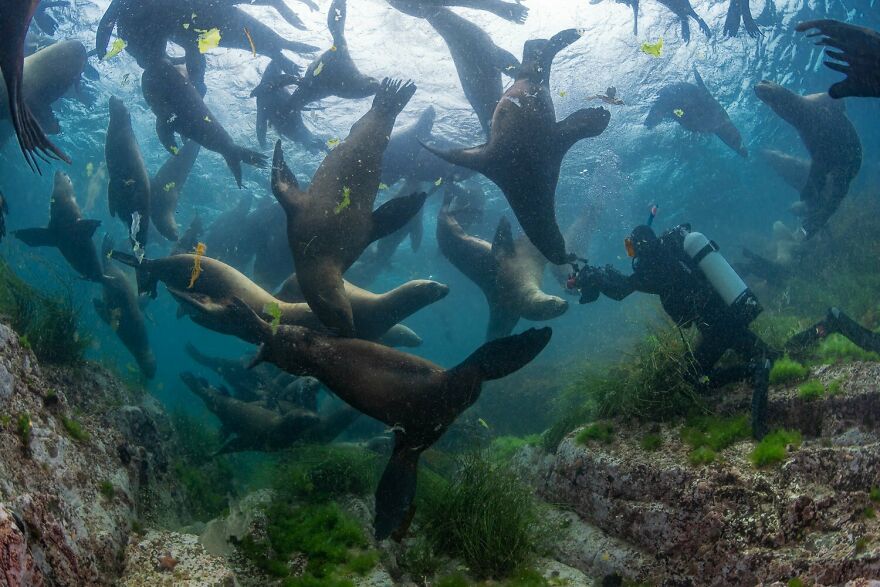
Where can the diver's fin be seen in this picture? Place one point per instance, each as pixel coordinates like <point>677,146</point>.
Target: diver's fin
<point>146,281</point>
<point>284,185</point>
<point>394,214</point>
<point>581,124</point>
<point>396,490</point>
<point>37,237</point>
<point>499,358</point>
<point>502,244</point>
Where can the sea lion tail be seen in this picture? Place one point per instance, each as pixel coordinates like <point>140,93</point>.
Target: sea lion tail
<point>396,490</point>
<point>393,96</point>
<point>499,358</point>
<point>240,155</point>
<point>146,281</point>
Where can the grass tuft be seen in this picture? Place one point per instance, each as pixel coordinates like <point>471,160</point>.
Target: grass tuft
<point>839,349</point>
<point>600,432</point>
<point>811,390</point>
<point>503,448</point>
<point>651,442</point>
<point>774,447</point>
<point>701,456</point>
<point>875,494</point>
<point>24,428</point>
<point>786,370</point>
<point>107,490</point>
<point>75,429</point>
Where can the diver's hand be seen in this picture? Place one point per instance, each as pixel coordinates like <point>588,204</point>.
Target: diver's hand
<point>588,281</point>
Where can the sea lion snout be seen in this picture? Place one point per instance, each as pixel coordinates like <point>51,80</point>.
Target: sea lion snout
<point>433,290</point>
<point>765,90</point>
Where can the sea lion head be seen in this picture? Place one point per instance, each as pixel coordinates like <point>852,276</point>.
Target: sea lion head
<point>548,308</point>
<point>118,111</point>
<point>63,207</point>
<point>772,94</point>
<point>431,291</point>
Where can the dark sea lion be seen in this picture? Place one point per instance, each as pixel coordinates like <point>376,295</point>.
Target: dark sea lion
<point>526,145</point>
<point>273,109</point>
<point>179,108</point>
<point>189,240</point>
<point>694,108</point>
<point>858,48</point>
<point>49,74</point>
<point>512,11</point>
<point>832,141</point>
<point>404,146</point>
<point>247,384</point>
<point>14,23</point>
<point>478,61</point>
<point>416,398</point>
<point>334,72</point>
<point>252,426</point>
<point>683,10</point>
<point>508,271</point>
<point>740,12</point>
<point>330,224</point>
<point>128,192</point>
<point>225,236</point>
<point>795,171</point>
<point>119,309</point>
<point>68,231</point>
<point>165,189</point>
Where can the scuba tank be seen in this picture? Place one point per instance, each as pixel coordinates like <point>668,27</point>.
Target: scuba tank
<point>729,285</point>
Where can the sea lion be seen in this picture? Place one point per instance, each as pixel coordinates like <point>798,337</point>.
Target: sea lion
<point>694,108</point>
<point>683,10</point>
<point>128,192</point>
<point>740,12</point>
<point>609,97</point>
<point>46,21</point>
<point>512,11</point>
<point>225,236</point>
<point>248,385</point>
<point>273,109</point>
<point>416,398</point>
<point>189,240</point>
<point>334,72</point>
<point>858,48</point>
<point>165,189</point>
<point>401,335</point>
<point>795,171</point>
<point>17,15</point>
<point>832,141</point>
<point>508,271</point>
<point>217,283</point>
<point>331,223</point>
<point>67,230</point>
<point>478,61</point>
<point>273,260</point>
<point>526,145</point>
<point>49,74</point>
<point>179,108</point>
<point>119,309</point>
<point>251,426</point>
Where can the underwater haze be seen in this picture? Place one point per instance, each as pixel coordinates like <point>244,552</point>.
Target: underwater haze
<point>557,370</point>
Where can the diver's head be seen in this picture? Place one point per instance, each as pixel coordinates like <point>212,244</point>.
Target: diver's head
<point>641,241</point>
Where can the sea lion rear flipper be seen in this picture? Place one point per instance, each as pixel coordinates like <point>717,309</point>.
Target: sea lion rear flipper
<point>473,158</point>
<point>37,237</point>
<point>105,28</point>
<point>396,490</point>
<point>239,155</point>
<point>499,358</point>
<point>703,26</point>
<point>635,7</point>
<point>285,187</point>
<point>394,214</point>
<point>582,124</point>
<point>685,30</point>
<point>748,22</point>
<point>734,15</point>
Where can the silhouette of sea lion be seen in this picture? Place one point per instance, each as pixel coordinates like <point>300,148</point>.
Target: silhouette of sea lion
<point>512,11</point>
<point>683,10</point>
<point>508,271</point>
<point>526,145</point>
<point>832,141</point>
<point>128,192</point>
<point>273,108</point>
<point>740,12</point>
<point>165,189</point>
<point>858,48</point>
<point>68,231</point>
<point>416,398</point>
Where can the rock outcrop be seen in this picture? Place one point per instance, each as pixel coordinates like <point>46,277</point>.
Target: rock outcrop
<point>652,516</point>
<point>81,458</point>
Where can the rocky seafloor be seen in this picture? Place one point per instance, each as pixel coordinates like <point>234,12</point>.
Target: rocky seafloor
<point>88,496</point>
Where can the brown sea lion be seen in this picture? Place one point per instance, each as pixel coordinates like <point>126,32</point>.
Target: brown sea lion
<point>67,230</point>
<point>179,108</point>
<point>416,398</point>
<point>119,309</point>
<point>252,426</point>
<point>858,48</point>
<point>165,189</point>
<point>526,145</point>
<point>14,23</point>
<point>508,271</point>
<point>247,384</point>
<point>832,141</point>
<point>331,223</point>
<point>217,283</point>
<point>129,190</point>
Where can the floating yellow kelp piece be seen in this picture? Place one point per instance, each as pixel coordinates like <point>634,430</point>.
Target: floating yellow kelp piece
<point>174,150</point>
<point>318,69</point>
<point>562,93</point>
<point>331,143</point>
<point>208,119</point>
<point>90,169</point>
<point>208,39</point>
<point>273,310</point>
<point>678,112</point>
<point>197,264</point>
<point>438,182</point>
<point>250,39</point>
<point>383,186</point>
<point>333,48</point>
<point>115,49</point>
<point>169,186</point>
<point>346,200</point>
<point>653,49</point>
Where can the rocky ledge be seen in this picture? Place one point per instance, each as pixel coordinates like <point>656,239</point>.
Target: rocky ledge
<point>654,517</point>
<point>81,458</point>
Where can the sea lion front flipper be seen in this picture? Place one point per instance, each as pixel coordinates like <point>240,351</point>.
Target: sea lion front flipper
<point>506,62</point>
<point>582,124</point>
<point>37,237</point>
<point>748,22</point>
<point>499,358</point>
<point>473,158</point>
<point>394,214</point>
<point>285,187</point>
<point>262,123</point>
<point>146,281</point>
<point>105,28</point>
<point>397,488</point>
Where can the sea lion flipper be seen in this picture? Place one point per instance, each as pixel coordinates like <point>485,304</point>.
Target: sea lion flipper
<point>502,244</point>
<point>582,124</point>
<point>287,14</point>
<point>734,15</point>
<point>394,214</point>
<point>37,237</point>
<point>146,281</point>
<point>336,22</point>
<point>393,96</point>
<point>105,28</point>
<point>165,132</point>
<point>285,187</point>
<point>473,158</point>
<point>396,490</point>
<point>499,358</point>
<point>86,227</point>
<point>506,62</point>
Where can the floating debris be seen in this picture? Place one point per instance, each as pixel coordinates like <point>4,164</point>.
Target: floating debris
<point>250,39</point>
<point>197,264</point>
<point>653,49</point>
<point>208,39</point>
<point>346,200</point>
<point>115,49</point>
<point>318,69</point>
<point>274,310</point>
<point>678,112</point>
